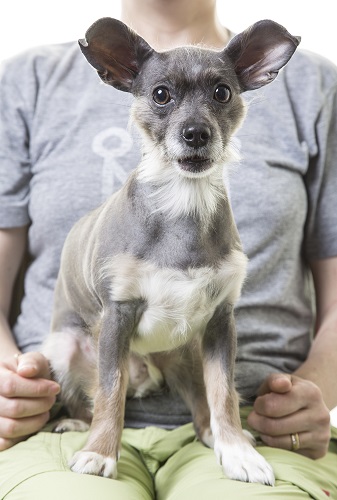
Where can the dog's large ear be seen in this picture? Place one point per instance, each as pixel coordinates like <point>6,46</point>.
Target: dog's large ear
<point>259,52</point>
<point>115,51</point>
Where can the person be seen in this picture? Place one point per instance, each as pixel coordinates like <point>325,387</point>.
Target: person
<point>65,146</point>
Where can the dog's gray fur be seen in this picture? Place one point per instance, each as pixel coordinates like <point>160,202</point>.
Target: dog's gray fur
<point>150,278</point>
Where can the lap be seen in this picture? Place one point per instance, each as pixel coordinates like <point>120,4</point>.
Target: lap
<point>154,463</point>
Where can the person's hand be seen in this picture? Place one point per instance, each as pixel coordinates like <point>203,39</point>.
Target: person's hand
<point>290,411</point>
<point>26,396</point>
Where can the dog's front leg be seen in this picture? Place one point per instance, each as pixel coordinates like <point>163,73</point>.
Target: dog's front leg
<point>101,452</point>
<point>233,449</point>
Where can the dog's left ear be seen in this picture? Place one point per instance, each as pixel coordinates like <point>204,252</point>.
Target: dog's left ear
<point>115,51</point>
<point>259,52</point>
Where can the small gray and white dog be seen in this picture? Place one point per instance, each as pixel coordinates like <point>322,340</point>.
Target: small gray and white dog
<point>151,276</point>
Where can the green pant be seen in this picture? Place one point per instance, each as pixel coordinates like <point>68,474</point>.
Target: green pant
<point>157,463</point>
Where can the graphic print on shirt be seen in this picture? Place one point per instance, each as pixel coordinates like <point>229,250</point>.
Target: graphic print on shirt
<point>111,145</point>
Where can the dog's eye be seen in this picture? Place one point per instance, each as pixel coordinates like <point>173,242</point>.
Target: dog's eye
<point>222,94</point>
<point>161,95</point>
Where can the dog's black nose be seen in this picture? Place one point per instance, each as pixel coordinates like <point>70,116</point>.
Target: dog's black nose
<point>196,135</point>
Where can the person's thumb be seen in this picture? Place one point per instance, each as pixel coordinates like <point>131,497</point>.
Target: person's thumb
<point>33,365</point>
<point>276,382</point>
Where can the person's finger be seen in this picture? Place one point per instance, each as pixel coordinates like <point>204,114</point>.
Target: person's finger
<point>299,421</point>
<point>275,405</point>
<point>285,441</point>
<point>15,386</point>
<point>25,407</point>
<point>16,428</point>
<point>307,443</point>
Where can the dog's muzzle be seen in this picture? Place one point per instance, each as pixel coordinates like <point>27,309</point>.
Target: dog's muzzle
<point>196,136</point>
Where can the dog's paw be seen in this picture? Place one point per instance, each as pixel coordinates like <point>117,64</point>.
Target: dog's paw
<point>89,462</point>
<point>243,463</point>
<point>70,424</point>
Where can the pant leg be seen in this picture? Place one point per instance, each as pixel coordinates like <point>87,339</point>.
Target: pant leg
<point>192,473</point>
<point>37,469</point>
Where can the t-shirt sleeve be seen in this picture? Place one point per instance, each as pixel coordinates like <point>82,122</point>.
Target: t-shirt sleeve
<point>14,146</point>
<point>321,181</point>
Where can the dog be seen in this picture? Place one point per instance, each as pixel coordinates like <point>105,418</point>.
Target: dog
<point>148,281</point>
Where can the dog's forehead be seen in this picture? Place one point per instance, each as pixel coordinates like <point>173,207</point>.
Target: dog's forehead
<point>190,65</point>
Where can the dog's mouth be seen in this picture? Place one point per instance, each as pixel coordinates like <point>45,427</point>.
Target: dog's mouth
<point>195,164</point>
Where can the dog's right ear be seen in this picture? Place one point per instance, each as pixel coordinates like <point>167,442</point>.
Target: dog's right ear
<point>115,51</point>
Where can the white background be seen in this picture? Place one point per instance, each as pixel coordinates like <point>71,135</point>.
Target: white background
<point>28,23</point>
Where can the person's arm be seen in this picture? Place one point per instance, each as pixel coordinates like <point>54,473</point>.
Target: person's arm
<point>26,394</point>
<point>300,403</point>
<point>12,247</point>
<point>321,366</point>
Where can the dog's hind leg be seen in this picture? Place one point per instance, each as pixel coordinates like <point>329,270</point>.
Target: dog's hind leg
<point>182,370</point>
<point>233,449</point>
<point>72,358</point>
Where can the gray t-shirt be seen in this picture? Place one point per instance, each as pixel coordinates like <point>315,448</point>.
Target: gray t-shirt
<point>65,146</point>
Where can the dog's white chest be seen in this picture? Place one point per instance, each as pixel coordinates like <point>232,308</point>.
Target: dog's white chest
<point>178,304</point>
